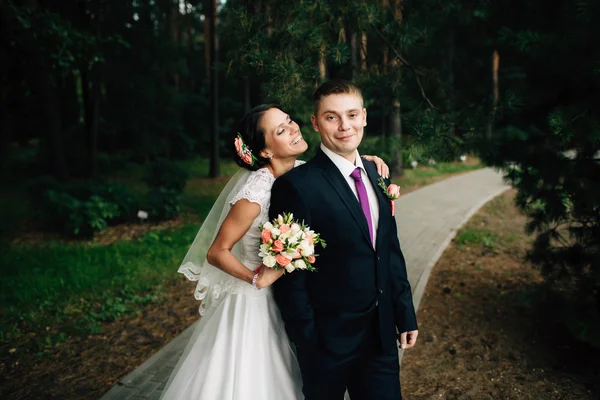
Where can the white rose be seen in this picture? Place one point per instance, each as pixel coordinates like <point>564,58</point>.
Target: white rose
<point>289,267</point>
<point>275,233</point>
<point>268,226</point>
<point>293,240</point>
<point>264,250</point>
<point>299,264</point>
<point>304,248</point>
<point>269,261</point>
<point>296,228</point>
<point>308,251</point>
<point>290,254</point>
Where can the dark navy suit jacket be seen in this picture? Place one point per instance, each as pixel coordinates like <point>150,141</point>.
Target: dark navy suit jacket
<point>334,307</point>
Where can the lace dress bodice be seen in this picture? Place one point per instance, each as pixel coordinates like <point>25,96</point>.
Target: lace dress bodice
<point>257,190</point>
<point>213,285</point>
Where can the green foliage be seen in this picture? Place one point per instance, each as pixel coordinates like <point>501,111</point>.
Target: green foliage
<point>71,216</point>
<point>81,208</point>
<point>163,173</point>
<point>166,181</point>
<point>73,288</point>
<point>550,148</point>
<point>483,237</point>
<point>121,196</point>
<point>164,203</point>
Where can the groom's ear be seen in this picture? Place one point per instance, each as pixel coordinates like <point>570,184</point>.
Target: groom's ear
<point>315,123</point>
<point>364,117</point>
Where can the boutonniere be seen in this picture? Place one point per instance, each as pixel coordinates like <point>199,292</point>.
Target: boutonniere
<point>392,192</point>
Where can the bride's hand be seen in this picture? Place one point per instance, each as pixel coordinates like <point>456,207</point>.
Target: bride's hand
<point>267,276</point>
<point>382,168</point>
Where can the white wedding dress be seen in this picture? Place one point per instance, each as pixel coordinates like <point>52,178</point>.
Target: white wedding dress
<point>239,350</point>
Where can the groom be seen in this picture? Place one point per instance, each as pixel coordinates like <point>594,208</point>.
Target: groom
<point>343,318</point>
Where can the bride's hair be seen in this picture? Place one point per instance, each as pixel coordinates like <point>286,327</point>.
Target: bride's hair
<point>253,137</point>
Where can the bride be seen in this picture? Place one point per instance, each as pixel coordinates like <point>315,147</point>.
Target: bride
<point>239,349</point>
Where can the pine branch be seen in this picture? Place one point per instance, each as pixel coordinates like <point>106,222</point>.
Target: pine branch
<point>409,65</point>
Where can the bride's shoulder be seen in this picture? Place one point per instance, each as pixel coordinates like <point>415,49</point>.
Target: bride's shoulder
<point>257,188</point>
<point>260,175</point>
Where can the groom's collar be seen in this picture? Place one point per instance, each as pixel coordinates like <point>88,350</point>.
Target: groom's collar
<point>345,166</point>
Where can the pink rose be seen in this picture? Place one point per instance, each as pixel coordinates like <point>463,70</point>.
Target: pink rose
<point>277,246</point>
<point>311,259</point>
<point>265,235</point>
<point>394,191</point>
<point>247,158</point>
<point>296,255</point>
<point>238,146</point>
<point>284,228</point>
<point>282,260</point>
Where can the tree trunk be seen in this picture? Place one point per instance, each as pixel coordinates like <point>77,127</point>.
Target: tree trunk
<point>395,118</point>
<point>451,97</point>
<point>495,93</point>
<point>354,55</point>
<point>213,77</point>
<point>5,123</point>
<point>90,85</point>
<point>247,95</point>
<point>363,51</point>
<point>322,63</point>
<point>50,114</point>
<point>94,118</point>
<point>396,133</point>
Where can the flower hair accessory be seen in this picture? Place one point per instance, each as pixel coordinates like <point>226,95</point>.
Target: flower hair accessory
<point>392,192</point>
<point>243,151</point>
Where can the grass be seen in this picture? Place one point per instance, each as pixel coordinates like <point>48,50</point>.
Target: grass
<point>471,236</point>
<point>56,289</point>
<point>71,288</point>
<point>421,176</point>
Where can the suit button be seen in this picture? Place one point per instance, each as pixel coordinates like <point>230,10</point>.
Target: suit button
<point>376,303</point>
<point>381,291</point>
<point>378,258</point>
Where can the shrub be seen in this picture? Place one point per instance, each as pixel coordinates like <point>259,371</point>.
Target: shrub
<point>72,216</point>
<point>81,208</point>
<point>120,195</point>
<point>164,203</point>
<point>163,173</point>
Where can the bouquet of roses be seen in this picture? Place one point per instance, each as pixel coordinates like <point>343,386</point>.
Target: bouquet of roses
<point>288,244</point>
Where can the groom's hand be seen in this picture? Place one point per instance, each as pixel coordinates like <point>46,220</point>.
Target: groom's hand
<point>408,339</point>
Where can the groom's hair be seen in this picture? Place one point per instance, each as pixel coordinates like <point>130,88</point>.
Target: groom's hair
<point>334,86</point>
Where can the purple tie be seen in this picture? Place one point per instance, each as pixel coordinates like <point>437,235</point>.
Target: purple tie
<point>363,199</point>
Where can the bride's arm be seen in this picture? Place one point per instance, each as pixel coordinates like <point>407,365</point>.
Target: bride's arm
<point>234,227</point>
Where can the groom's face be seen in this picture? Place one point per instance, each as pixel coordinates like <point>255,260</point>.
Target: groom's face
<point>340,120</point>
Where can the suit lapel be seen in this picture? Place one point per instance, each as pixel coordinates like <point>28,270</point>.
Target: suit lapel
<point>382,199</point>
<point>333,175</point>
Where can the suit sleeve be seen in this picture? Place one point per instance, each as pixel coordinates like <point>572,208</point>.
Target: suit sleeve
<point>406,318</point>
<point>290,290</point>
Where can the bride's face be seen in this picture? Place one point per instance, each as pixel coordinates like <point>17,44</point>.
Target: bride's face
<point>282,135</point>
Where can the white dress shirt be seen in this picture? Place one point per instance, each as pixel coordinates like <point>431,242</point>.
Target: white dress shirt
<point>346,168</point>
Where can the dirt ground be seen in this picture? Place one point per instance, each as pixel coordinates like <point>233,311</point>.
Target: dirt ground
<point>486,324</point>
<point>487,331</point>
